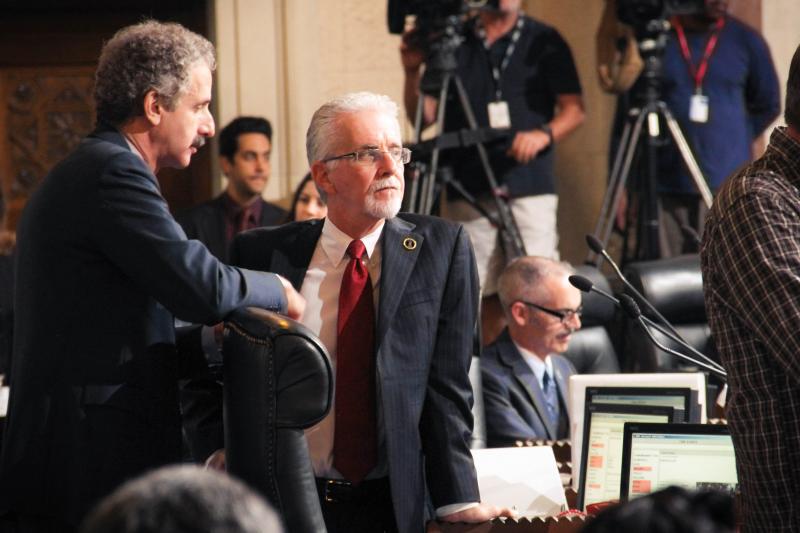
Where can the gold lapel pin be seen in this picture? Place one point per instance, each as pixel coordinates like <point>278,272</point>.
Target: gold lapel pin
<point>409,243</point>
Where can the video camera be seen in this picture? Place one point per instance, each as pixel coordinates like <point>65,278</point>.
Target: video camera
<point>430,13</point>
<point>638,13</point>
<point>438,32</point>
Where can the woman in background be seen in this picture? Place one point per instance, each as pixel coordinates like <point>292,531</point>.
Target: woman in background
<point>307,203</point>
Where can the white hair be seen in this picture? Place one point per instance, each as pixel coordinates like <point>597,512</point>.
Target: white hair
<point>321,130</point>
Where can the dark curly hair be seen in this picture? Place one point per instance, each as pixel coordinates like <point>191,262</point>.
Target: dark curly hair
<point>149,55</point>
<point>229,136</point>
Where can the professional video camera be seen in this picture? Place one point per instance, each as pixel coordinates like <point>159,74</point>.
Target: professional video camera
<point>639,13</point>
<point>437,32</point>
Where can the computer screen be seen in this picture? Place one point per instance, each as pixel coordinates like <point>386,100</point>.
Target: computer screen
<point>693,456</point>
<point>601,457</point>
<point>679,398</point>
<point>578,384</point>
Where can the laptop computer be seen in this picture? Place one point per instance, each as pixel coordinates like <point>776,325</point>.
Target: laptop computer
<point>601,456</point>
<point>692,456</point>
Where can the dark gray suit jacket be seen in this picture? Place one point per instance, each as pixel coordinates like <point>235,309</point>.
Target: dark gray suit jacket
<point>512,398</point>
<point>426,313</point>
<point>103,268</point>
<point>206,223</point>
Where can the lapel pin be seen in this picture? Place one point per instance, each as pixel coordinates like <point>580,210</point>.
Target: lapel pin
<point>409,243</point>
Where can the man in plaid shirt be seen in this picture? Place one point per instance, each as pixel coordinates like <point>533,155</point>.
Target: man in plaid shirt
<point>751,276</point>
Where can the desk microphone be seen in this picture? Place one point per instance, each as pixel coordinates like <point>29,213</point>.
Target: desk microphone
<point>597,247</point>
<point>585,285</point>
<point>632,310</point>
<point>691,235</point>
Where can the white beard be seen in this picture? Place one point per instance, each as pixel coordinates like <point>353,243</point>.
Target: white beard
<point>384,208</point>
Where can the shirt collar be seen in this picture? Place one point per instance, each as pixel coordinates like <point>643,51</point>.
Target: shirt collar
<point>788,148</point>
<point>535,362</point>
<point>334,241</point>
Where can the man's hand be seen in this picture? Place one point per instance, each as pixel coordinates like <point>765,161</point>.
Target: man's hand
<point>295,303</point>
<point>480,513</point>
<point>527,144</point>
<point>216,461</point>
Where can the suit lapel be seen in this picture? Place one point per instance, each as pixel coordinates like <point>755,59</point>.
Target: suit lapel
<point>399,256</point>
<point>526,379</point>
<point>291,257</point>
<point>561,378</point>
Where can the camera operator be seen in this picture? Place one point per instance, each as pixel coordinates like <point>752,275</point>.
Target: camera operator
<point>721,86</point>
<point>518,73</point>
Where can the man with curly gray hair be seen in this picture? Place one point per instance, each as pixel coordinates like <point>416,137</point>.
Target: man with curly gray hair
<point>104,271</point>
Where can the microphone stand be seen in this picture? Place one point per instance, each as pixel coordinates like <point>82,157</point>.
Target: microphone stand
<point>632,310</point>
<point>597,247</point>
<point>585,285</point>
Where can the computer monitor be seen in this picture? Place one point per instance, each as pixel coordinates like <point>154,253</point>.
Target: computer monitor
<point>677,397</point>
<point>577,396</point>
<point>692,456</point>
<point>601,457</point>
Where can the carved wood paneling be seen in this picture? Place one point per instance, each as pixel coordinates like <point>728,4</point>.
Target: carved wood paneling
<point>44,113</point>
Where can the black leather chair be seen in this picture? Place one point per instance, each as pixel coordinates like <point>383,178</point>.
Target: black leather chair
<point>590,349</point>
<point>674,286</point>
<point>278,381</point>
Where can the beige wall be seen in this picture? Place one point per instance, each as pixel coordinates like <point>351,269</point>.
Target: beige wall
<point>782,32</point>
<point>283,58</point>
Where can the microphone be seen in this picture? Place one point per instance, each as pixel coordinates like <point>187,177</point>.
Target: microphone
<point>691,235</point>
<point>597,247</point>
<point>632,310</point>
<point>585,285</point>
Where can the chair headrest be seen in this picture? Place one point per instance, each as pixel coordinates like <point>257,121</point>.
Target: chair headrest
<point>301,365</point>
<point>597,311</point>
<point>674,286</point>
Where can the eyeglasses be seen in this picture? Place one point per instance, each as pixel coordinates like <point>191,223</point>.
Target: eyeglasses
<point>565,315</point>
<point>371,156</point>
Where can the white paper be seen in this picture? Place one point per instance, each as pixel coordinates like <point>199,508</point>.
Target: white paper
<point>3,401</point>
<point>525,478</point>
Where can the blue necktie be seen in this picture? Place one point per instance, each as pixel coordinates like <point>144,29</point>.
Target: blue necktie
<point>551,397</point>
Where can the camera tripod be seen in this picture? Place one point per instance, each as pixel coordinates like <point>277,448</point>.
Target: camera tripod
<point>422,191</point>
<point>643,141</point>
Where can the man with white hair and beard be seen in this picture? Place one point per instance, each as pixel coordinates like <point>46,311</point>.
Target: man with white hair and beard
<point>394,300</point>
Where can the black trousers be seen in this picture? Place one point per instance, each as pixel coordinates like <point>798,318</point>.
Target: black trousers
<point>363,508</point>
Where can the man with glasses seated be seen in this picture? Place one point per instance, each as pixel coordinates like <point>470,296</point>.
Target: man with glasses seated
<point>524,377</point>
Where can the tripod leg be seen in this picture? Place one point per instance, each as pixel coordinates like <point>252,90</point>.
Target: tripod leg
<point>686,154</point>
<point>411,199</point>
<point>625,154</point>
<point>427,196</point>
<point>509,232</point>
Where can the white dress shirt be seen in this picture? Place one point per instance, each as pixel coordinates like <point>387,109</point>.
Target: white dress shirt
<point>321,288</point>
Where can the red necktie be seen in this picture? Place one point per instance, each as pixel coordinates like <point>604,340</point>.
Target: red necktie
<point>355,442</point>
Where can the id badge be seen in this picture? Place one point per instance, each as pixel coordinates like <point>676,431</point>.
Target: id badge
<point>499,117</point>
<point>698,108</point>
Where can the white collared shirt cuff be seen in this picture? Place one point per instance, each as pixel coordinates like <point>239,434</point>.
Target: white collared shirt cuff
<point>454,508</point>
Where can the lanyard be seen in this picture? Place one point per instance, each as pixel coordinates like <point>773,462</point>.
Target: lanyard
<point>698,73</point>
<point>498,71</point>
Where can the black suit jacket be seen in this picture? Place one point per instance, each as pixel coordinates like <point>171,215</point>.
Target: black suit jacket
<point>514,403</point>
<point>206,223</point>
<point>102,270</point>
<point>426,313</point>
